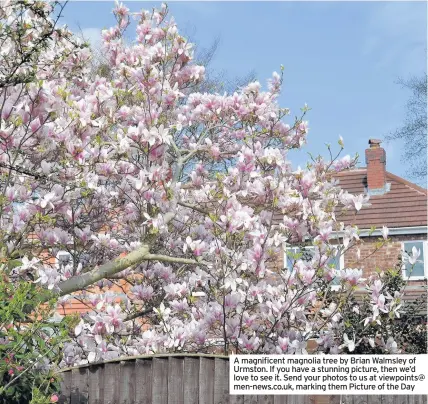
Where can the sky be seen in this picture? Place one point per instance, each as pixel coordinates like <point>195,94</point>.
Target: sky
<point>343,59</point>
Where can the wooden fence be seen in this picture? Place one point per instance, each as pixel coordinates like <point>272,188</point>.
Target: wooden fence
<point>181,379</point>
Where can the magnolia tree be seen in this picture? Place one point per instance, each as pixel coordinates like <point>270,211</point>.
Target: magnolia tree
<point>184,200</point>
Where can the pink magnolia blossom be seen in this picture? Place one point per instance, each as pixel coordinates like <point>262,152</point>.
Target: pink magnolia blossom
<point>351,276</point>
<point>114,318</point>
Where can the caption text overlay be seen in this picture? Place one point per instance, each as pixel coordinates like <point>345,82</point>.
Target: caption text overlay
<point>328,374</point>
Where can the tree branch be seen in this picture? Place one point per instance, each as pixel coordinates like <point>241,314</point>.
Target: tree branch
<point>113,267</point>
<point>194,207</point>
<point>140,313</point>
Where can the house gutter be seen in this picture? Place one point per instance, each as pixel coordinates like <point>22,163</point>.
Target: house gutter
<point>393,231</point>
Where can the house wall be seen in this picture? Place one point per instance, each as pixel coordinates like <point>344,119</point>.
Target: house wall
<point>372,257</point>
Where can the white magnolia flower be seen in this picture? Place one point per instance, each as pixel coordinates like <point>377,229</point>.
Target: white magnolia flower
<point>27,264</point>
<point>348,343</point>
<point>412,258</point>
<point>385,232</point>
<point>391,346</point>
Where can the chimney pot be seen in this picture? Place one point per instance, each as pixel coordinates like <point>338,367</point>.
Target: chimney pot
<point>374,143</point>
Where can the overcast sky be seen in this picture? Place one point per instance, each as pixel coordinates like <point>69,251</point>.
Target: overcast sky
<point>341,58</point>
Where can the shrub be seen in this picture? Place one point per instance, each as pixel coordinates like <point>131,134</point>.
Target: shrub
<point>30,342</point>
<point>409,330</point>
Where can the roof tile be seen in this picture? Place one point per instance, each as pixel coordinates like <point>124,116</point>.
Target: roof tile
<point>404,205</point>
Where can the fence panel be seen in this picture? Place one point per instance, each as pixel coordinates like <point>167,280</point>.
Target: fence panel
<point>182,379</point>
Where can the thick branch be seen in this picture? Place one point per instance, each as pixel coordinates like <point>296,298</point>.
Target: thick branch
<point>110,268</point>
<point>172,260</point>
<point>113,267</point>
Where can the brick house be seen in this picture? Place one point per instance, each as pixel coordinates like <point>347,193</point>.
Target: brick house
<point>396,203</point>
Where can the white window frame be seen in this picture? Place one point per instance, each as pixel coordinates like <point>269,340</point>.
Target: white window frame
<point>62,252</point>
<point>425,251</point>
<point>341,261</point>
<point>198,294</point>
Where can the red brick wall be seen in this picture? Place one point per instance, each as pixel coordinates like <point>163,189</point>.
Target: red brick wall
<point>372,258</point>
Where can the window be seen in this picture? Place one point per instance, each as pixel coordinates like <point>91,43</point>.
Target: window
<point>419,270</point>
<point>305,253</point>
<point>339,263</point>
<point>293,253</point>
<point>63,258</point>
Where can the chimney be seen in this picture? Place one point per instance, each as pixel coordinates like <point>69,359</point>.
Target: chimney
<point>376,168</point>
